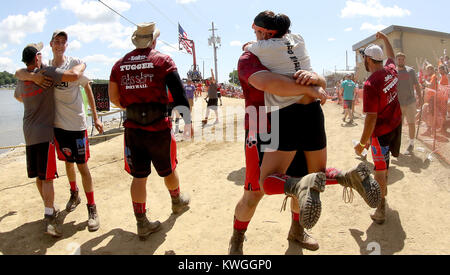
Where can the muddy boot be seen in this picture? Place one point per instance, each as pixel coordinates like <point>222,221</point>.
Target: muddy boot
<point>145,227</point>
<point>307,191</point>
<point>359,178</point>
<point>94,220</point>
<point>237,242</point>
<point>298,234</point>
<point>52,226</point>
<point>180,203</point>
<point>379,216</point>
<point>73,202</point>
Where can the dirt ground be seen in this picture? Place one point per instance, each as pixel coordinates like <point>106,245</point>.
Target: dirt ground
<point>212,171</point>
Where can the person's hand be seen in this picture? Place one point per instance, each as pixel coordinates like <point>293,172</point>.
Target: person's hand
<point>41,80</point>
<point>319,93</point>
<point>188,131</point>
<point>381,35</point>
<point>306,78</point>
<point>359,149</point>
<point>99,126</point>
<point>244,48</point>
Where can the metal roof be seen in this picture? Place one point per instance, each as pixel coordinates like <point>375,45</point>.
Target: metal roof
<point>394,28</point>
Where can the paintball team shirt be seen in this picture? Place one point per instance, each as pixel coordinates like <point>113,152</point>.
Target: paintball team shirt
<point>69,110</point>
<point>349,89</point>
<point>406,81</point>
<point>141,77</point>
<point>249,65</point>
<point>285,56</point>
<point>381,97</point>
<point>39,108</point>
<point>190,89</point>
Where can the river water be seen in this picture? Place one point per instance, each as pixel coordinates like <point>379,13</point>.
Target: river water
<point>11,115</point>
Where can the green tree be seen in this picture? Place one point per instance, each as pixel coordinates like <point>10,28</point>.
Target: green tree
<point>234,78</point>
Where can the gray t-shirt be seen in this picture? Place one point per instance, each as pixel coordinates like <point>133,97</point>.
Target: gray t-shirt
<point>212,91</point>
<point>69,114</point>
<point>407,79</point>
<point>39,108</point>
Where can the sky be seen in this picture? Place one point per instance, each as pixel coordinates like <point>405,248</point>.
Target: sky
<point>100,37</point>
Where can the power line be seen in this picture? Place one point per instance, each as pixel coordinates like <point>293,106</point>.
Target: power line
<point>117,12</point>
<point>163,14</point>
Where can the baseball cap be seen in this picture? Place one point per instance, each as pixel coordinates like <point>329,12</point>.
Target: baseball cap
<point>59,32</point>
<point>373,51</point>
<point>30,52</point>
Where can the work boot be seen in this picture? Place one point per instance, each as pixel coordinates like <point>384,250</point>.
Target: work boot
<point>379,216</point>
<point>94,220</point>
<point>307,191</point>
<point>237,243</point>
<point>298,234</point>
<point>145,227</point>
<point>359,178</point>
<point>52,227</point>
<point>73,202</point>
<point>180,203</point>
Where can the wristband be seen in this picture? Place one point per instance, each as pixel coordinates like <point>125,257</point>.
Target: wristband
<point>362,145</point>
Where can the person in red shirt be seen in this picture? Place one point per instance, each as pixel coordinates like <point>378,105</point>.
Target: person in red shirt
<point>138,84</point>
<point>382,125</point>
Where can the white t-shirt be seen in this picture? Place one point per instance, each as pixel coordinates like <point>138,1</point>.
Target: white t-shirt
<point>69,111</point>
<point>284,56</point>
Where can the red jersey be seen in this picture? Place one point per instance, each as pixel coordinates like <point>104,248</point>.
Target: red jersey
<point>381,97</point>
<point>141,76</point>
<point>248,65</point>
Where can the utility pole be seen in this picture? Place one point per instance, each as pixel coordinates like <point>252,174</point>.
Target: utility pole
<point>215,42</point>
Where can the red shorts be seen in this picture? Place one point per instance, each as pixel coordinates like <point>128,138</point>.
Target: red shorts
<point>383,146</point>
<point>41,161</point>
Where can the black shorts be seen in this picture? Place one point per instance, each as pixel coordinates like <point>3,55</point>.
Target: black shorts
<point>254,157</point>
<point>143,148</point>
<point>212,102</point>
<point>72,146</point>
<point>301,128</point>
<point>384,145</point>
<point>41,161</point>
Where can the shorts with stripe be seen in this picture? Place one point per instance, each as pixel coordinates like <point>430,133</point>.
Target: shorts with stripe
<point>142,148</point>
<point>72,146</point>
<point>254,158</point>
<point>41,161</point>
<point>383,146</point>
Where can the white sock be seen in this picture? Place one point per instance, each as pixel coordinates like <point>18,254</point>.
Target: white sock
<point>49,211</point>
<point>411,142</point>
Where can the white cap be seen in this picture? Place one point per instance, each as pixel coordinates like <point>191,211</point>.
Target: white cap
<point>374,52</point>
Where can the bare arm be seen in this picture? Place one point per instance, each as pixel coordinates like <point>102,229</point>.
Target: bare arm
<point>114,96</point>
<point>74,74</point>
<point>310,78</point>
<point>369,127</point>
<point>38,78</point>
<point>389,50</point>
<point>90,95</point>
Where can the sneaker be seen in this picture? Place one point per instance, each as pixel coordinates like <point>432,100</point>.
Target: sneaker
<point>379,216</point>
<point>299,235</point>
<point>145,227</point>
<point>52,227</point>
<point>359,178</point>
<point>94,220</point>
<point>237,243</point>
<point>307,191</point>
<point>180,204</point>
<point>73,202</point>
<point>409,150</point>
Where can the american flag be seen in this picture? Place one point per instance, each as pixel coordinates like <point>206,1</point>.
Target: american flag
<point>186,44</point>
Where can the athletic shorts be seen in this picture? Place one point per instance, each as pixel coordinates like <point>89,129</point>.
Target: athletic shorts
<point>254,158</point>
<point>384,145</point>
<point>348,104</point>
<point>72,146</point>
<point>409,111</point>
<point>41,161</point>
<point>301,128</point>
<point>212,103</point>
<point>142,148</point>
